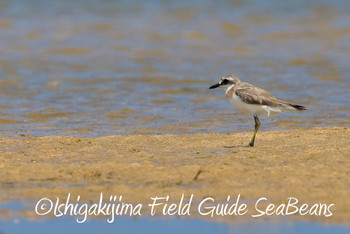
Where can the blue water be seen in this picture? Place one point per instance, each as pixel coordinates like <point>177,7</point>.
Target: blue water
<point>68,224</point>
<point>92,68</point>
<point>124,225</point>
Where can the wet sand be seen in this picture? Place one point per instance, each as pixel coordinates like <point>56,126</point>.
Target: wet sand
<point>309,164</point>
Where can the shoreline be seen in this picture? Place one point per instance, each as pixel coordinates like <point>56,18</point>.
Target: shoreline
<point>308,164</point>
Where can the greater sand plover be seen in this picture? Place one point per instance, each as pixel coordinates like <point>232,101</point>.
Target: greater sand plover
<point>253,100</point>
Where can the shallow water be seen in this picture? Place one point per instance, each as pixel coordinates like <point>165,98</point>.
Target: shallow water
<point>93,68</point>
<point>68,224</point>
<point>124,225</point>
<point>118,67</point>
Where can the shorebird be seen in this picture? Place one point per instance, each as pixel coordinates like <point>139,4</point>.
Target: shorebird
<point>253,100</point>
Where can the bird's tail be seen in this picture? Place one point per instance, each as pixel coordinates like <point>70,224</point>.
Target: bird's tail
<point>290,106</point>
<point>298,107</point>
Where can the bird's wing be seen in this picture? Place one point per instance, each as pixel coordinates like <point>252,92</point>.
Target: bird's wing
<point>254,95</point>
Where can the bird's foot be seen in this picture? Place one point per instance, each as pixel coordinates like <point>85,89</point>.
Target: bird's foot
<point>251,144</point>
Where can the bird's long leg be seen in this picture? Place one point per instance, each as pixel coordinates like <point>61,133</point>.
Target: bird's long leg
<point>257,126</point>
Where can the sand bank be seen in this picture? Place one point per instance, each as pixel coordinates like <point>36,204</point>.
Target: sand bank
<point>309,164</point>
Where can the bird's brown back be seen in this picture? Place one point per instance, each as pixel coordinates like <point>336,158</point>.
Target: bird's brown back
<point>250,94</point>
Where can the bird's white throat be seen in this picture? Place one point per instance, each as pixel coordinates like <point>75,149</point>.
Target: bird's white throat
<point>228,87</point>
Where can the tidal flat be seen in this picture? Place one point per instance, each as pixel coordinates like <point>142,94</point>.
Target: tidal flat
<point>311,165</point>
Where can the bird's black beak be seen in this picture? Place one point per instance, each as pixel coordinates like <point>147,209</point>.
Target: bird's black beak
<point>214,86</point>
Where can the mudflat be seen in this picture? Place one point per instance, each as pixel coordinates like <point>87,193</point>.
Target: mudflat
<point>311,165</point>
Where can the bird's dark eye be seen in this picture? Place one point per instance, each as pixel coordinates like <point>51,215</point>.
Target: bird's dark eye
<point>225,82</point>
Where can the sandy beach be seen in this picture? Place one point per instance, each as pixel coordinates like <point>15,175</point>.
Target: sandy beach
<point>309,164</point>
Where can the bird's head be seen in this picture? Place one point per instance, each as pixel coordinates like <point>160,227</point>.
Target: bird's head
<point>226,82</point>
